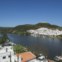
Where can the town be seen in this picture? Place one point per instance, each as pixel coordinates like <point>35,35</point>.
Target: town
<point>45,31</point>
<point>7,54</point>
<point>30,30</point>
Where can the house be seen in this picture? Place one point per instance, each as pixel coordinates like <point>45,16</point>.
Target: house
<point>7,54</point>
<point>30,57</point>
<point>41,58</point>
<point>26,56</point>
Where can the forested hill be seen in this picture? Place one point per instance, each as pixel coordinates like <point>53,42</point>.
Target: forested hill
<point>21,29</point>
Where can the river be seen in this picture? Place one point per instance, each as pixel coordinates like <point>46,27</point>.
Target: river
<point>43,44</point>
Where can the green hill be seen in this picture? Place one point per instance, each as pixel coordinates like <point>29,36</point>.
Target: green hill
<point>22,29</point>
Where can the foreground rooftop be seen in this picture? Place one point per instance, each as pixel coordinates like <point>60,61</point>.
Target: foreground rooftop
<point>26,56</point>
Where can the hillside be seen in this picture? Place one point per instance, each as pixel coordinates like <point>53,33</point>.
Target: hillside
<point>22,29</point>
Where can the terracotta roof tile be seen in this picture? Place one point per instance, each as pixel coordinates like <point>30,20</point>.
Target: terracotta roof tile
<point>26,56</point>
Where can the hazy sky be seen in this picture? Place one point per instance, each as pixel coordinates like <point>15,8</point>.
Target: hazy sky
<point>16,12</point>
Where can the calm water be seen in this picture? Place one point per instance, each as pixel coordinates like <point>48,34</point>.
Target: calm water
<point>46,45</point>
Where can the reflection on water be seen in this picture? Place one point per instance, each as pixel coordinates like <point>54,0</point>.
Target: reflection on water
<point>46,45</point>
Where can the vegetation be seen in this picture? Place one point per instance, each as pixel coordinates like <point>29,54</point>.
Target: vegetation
<point>59,36</point>
<point>19,49</point>
<point>4,30</point>
<point>3,38</point>
<point>48,26</point>
<point>60,61</point>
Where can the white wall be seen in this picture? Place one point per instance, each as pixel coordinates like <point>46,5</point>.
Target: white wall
<point>5,52</point>
<point>6,55</point>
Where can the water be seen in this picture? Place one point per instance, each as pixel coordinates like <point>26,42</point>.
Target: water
<point>46,45</point>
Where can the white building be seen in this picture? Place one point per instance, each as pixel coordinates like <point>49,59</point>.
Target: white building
<point>45,31</point>
<point>7,54</point>
<point>39,59</point>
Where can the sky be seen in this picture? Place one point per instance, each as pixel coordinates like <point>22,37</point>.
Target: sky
<point>18,12</point>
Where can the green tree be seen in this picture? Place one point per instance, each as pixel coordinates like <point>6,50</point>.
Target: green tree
<point>3,38</point>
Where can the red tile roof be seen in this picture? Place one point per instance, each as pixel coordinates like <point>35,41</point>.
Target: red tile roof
<point>26,56</point>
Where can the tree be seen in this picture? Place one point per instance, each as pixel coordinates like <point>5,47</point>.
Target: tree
<point>3,38</point>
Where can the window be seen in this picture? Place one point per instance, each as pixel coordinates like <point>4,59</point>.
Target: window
<point>9,56</point>
<point>4,57</point>
<point>21,58</point>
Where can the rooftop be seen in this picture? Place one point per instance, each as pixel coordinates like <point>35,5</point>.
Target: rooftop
<point>26,56</point>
